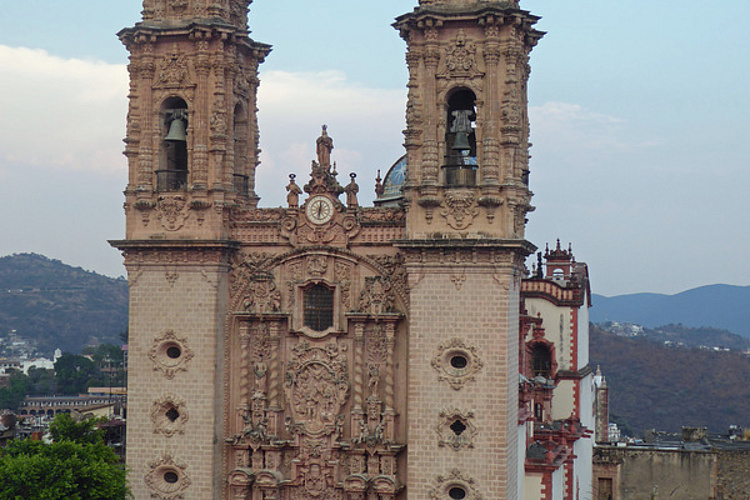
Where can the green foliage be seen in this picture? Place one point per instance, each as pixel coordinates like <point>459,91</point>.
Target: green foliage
<point>12,396</point>
<point>41,381</point>
<point>65,470</point>
<point>74,373</point>
<point>64,428</point>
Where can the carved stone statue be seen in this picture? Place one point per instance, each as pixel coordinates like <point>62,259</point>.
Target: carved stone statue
<point>293,190</point>
<point>324,145</point>
<point>351,191</point>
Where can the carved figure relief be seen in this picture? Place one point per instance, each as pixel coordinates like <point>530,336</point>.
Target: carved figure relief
<point>376,296</point>
<point>167,479</point>
<point>456,363</point>
<point>262,297</point>
<point>317,265</point>
<point>343,274</point>
<point>173,72</point>
<point>169,415</point>
<point>170,353</point>
<point>316,386</point>
<point>459,208</point>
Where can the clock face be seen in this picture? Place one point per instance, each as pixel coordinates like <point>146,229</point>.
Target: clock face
<point>319,209</point>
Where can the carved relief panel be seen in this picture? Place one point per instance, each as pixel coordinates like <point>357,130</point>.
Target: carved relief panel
<point>312,412</point>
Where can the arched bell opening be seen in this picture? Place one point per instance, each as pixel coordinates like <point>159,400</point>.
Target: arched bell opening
<point>173,172</point>
<point>241,180</point>
<point>460,165</point>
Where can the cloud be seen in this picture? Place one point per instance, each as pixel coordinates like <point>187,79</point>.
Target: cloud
<point>366,124</point>
<point>61,113</point>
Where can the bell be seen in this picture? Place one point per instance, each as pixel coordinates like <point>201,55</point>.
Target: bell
<point>461,142</point>
<point>176,131</point>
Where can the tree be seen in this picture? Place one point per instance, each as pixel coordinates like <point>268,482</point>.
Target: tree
<point>76,466</point>
<point>74,373</point>
<point>41,381</point>
<point>12,395</point>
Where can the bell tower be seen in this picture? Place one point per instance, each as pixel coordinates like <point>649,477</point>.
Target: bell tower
<point>466,194</point>
<point>192,150</point>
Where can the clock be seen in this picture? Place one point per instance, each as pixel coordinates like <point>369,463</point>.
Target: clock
<point>319,209</point>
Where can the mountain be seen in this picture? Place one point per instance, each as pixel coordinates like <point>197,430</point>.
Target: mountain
<point>681,336</point>
<point>667,387</point>
<point>55,305</point>
<point>719,306</point>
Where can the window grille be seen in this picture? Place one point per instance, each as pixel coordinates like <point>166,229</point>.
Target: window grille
<point>318,308</point>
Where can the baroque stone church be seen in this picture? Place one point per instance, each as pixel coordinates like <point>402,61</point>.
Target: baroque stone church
<point>327,350</point>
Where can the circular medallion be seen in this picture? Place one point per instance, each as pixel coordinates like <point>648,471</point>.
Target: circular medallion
<point>319,209</point>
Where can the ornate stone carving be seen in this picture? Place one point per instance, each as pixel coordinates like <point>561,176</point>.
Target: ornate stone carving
<point>376,297</point>
<point>262,296</point>
<point>458,279</point>
<point>173,71</point>
<point>317,265</point>
<point>316,387</point>
<point>343,274</point>
<point>167,479</point>
<point>458,480</point>
<point>170,353</point>
<point>460,57</point>
<point>172,211</point>
<point>459,208</point>
<point>169,415</point>
<point>456,363</point>
<point>456,429</point>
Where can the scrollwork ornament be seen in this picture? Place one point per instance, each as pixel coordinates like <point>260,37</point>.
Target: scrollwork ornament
<point>170,353</point>
<point>456,363</point>
<point>455,479</point>
<point>456,429</point>
<point>167,478</point>
<point>169,415</point>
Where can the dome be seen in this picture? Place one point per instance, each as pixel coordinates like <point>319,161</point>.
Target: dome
<point>394,180</point>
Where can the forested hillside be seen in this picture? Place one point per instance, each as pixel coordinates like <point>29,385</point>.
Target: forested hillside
<point>667,387</point>
<point>56,305</point>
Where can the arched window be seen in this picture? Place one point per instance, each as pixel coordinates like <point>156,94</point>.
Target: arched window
<point>172,176</point>
<point>460,139</point>
<point>541,359</point>
<point>318,304</point>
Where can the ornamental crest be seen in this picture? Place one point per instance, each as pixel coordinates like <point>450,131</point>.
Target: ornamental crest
<point>316,387</point>
<point>172,212</point>
<point>173,73</point>
<point>460,57</point>
<point>459,209</point>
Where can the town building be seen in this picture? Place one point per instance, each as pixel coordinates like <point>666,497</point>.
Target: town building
<point>331,350</point>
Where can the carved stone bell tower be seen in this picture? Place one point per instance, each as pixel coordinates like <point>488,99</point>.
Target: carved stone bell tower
<point>466,194</point>
<point>192,149</point>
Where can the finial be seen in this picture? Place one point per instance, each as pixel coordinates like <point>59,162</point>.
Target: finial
<point>558,249</point>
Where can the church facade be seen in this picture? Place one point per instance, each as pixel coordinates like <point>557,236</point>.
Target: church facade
<point>327,350</point>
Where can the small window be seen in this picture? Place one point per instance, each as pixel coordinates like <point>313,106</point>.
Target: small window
<point>318,308</point>
<point>542,361</point>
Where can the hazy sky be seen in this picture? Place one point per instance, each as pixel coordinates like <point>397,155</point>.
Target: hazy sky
<point>640,121</point>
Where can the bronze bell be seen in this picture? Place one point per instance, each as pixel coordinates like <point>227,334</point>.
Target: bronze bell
<point>176,131</point>
<point>461,142</point>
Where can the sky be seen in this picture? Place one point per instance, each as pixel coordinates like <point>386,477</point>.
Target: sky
<point>640,118</point>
